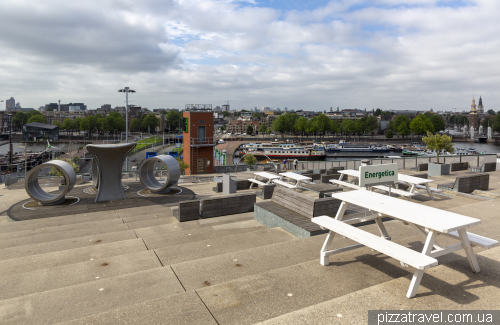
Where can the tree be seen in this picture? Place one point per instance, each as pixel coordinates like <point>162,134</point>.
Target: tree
<point>461,119</point>
<point>438,142</point>
<point>88,124</point>
<point>75,124</point>
<point>400,119</point>
<point>226,113</point>
<point>378,112</point>
<point>301,125</point>
<point>173,121</point>
<point>334,127</point>
<point>20,119</point>
<point>437,122</point>
<point>250,159</point>
<point>404,130</point>
<point>256,115</point>
<point>150,122</point>
<point>348,126</point>
<point>135,124</point>
<point>421,125</point>
<point>37,118</point>
<point>322,123</point>
<point>262,128</point>
<point>32,113</point>
<point>67,124</point>
<point>182,164</point>
<point>488,121</point>
<point>389,134</point>
<point>57,123</point>
<point>496,122</point>
<point>249,129</point>
<point>56,172</point>
<point>491,112</point>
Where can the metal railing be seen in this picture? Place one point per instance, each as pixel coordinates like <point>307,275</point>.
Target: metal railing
<point>203,142</point>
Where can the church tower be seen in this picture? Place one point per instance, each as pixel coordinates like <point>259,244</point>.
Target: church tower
<point>480,108</point>
<point>473,117</point>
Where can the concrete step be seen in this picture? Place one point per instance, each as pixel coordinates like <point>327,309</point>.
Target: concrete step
<point>70,256</point>
<point>270,294</point>
<point>183,308</point>
<point>199,234</point>
<point>21,284</point>
<point>156,221</point>
<point>159,210</point>
<point>159,230</point>
<point>221,245</point>
<point>44,238</point>
<point>58,229</point>
<point>61,245</point>
<point>65,304</point>
<point>447,286</point>
<point>145,216</point>
<point>55,221</point>
<point>250,261</point>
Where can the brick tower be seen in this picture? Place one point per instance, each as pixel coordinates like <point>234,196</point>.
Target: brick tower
<point>198,139</point>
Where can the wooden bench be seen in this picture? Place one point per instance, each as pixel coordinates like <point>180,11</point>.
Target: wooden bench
<point>266,192</point>
<point>467,184</point>
<point>345,184</point>
<point>487,167</point>
<point>459,166</point>
<point>293,211</point>
<point>187,210</point>
<point>227,205</point>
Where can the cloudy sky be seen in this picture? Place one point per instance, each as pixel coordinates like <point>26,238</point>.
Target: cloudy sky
<point>392,54</point>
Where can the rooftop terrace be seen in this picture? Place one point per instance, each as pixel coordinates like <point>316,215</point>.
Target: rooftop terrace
<point>123,264</point>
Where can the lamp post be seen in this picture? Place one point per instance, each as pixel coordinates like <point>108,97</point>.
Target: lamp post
<point>10,143</point>
<point>126,90</point>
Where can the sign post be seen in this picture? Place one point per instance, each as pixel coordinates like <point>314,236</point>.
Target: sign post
<point>378,175</point>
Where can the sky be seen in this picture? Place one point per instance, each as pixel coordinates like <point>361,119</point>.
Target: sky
<point>311,55</point>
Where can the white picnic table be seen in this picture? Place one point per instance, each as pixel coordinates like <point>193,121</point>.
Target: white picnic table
<point>411,181</point>
<point>266,178</point>
<point>428,221</point>
<point>293,176</point>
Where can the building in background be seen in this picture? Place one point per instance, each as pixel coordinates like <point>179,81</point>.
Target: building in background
<point>480,107</point>
<point>198,138</point>
<point>10,103</point>
<point>40,131</point>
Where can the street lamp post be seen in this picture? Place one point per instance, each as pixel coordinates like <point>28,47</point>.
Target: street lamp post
<point>10,143</point>
<point>126,90</point>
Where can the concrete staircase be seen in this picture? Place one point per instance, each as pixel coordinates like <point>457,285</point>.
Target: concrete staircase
<point>132,266</point>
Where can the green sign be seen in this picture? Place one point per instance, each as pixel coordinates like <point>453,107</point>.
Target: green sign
<point>376,174</point>
<point>186,124</point>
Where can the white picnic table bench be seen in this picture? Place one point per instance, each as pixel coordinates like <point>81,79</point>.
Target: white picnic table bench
<point>292,176</point>
<point>428,221</point>
<point>266,178</point>
<point>411,181</point>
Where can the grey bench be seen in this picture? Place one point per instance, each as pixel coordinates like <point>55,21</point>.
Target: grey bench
<point>468,184</point>
<point>314,176</point>
<point>459,166</point>
<point>334,170</point>
<point>421,167</point>
<point>266,192</point>
<point>187,210</point>
<point>227,205</point>
<point>293,211</point>
<point>241,184</point>
<point>326,178</point>
<point>264,168</point>
<point>486,167</point>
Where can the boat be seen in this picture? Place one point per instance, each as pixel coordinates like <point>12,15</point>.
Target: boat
<point>347,147</point>
<point>307,153</point>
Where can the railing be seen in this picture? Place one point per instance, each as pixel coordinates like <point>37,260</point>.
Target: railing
<point>203,142</point>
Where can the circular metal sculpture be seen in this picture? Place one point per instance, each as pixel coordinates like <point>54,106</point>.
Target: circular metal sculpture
<point>109,160</point>
<point>38,194</point>
<point>146,173</point>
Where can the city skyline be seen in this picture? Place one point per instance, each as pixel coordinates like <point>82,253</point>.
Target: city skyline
<point>388,54</point>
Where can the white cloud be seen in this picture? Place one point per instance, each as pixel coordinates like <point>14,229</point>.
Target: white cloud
<point>408,54</point>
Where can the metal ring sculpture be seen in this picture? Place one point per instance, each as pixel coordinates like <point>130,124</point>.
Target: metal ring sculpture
<point>38,194</point>
<point>146,173</point>
<point>109,160</point>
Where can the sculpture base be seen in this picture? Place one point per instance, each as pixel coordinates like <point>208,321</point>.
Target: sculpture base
<point>60,201</point>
